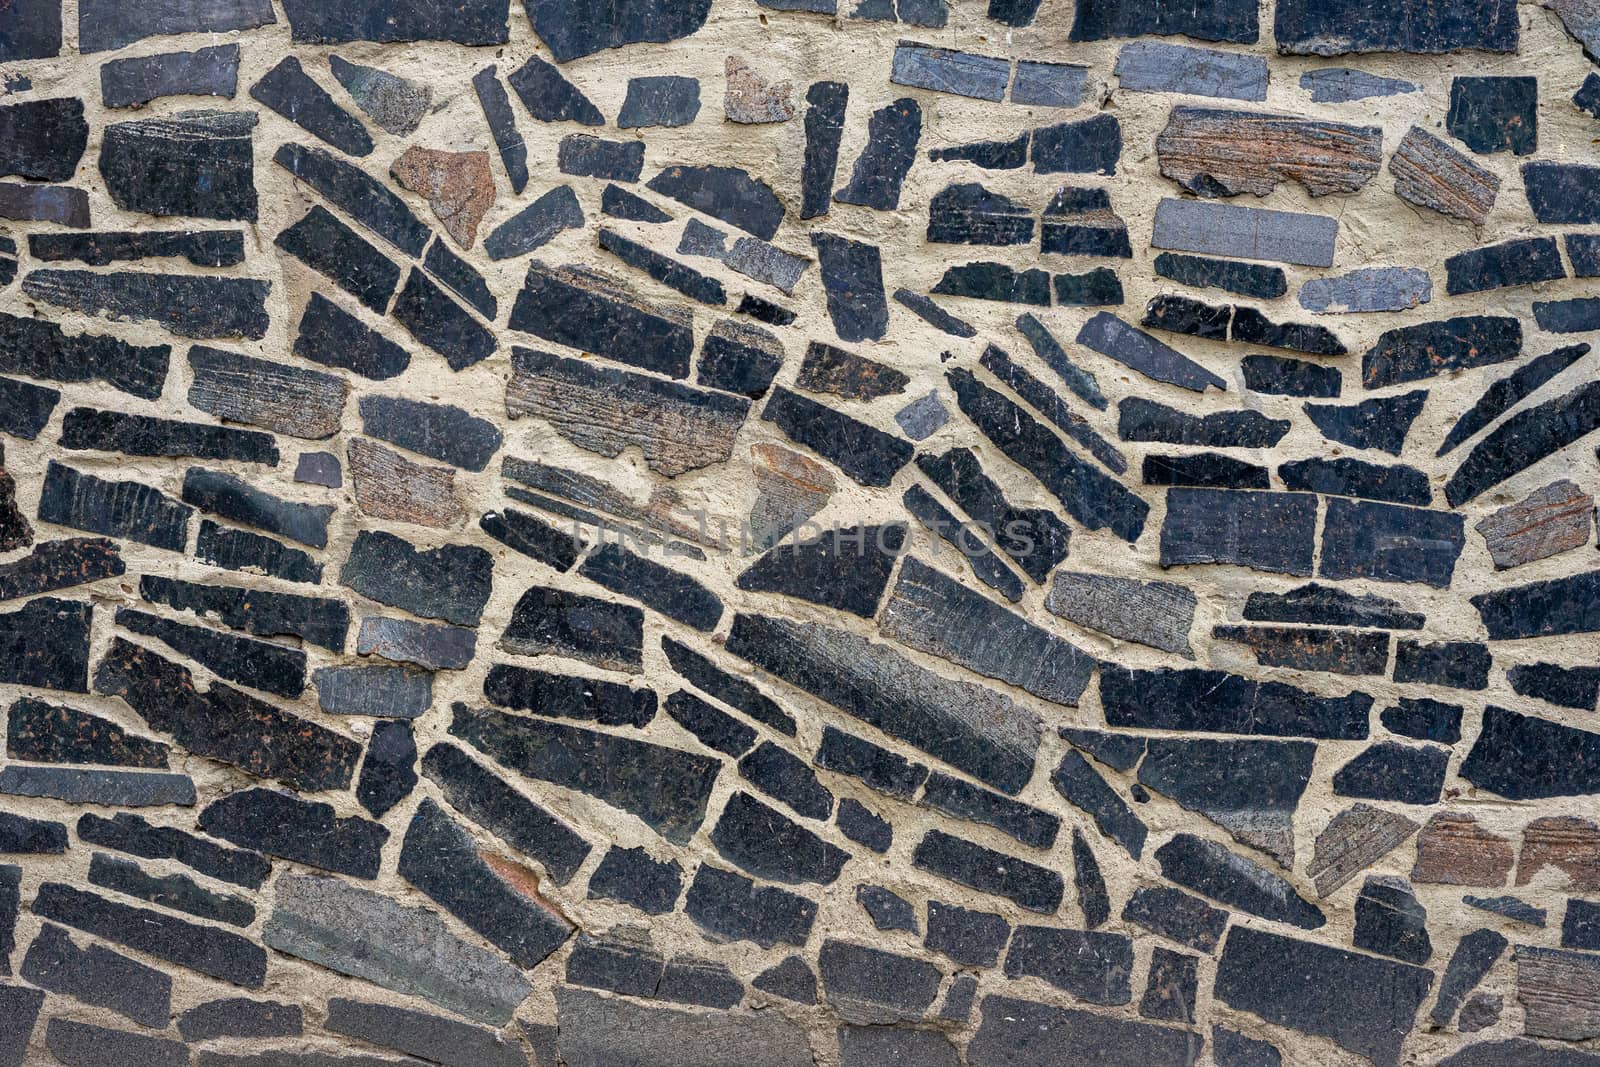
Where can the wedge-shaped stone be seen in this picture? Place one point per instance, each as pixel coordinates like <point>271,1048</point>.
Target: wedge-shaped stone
<point>1381,423</point>
<point>266,614</point>
<point>1521,757</point>
<point>664,269</point>
<point>435,319</point>
<point>187,305</point>
<point>549,621</point>
<point>1475,954</point>
<point>768,844</point>
<point>666,788</point>
<point>1015,1033</point>
<point>409,950</point>
<point>451,582</point>
<point>272,668</point>
<point>731,690</point>
<point>1089,146</point>
<point>294,94</point>
<point>852,277</point>
<point>1158,614</point>
<point>1249,788</point>
<point>598,1031</point>
<point>726,193</point>
<point>235,499</point>
<point>1084,787</point>
<point>868,455</point>
<point>1512,263</point>
<point>392,102</point>
<point>550,97</point>
<point>973,729</point>
<point>587,310</point>
<point>1363,1004</point>
<point>892,134</point>
<point>824,123</point>
<point>1096,968</point>
<point>1193,699</point>
<point>128,510</point>
<point>225,724</point>
<point>1305,27</point>
<point>535,225</point>
<point>176,891</point>
<point>1206,470</point>
<point>1430,173</point>
<point>1215,152</point>
<point>389,486</point>
<point>1523,440</point>
<point>61,564</point>
<point>50,733</point>
<point>1046,401</point>
<point>1266,531</point>
<point>25,408</point>
<point>357,194</point>
<point>198,163</point>
<point>496,104</point>
<point>1354,840</point>
<point>274,396</point>
<point>1111,337</point>
<point>1412,353</point>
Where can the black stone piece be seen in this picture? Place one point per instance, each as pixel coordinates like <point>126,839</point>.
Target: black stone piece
<point>666,788</point>
<point>261,665</point>
<point>1099,20</point>
<point>1027,824</point>
<point>468,22</point>
<point>1342,476</point>
<point>333,337</point>
<point>1390,921</point>
<point>824,124</point>
<point>1094,967</point>
<point>785,777</point>
<point>764,310</point>
<point>496,104</point>
<point>1205,469</point>
<point>970,214</point>
<point>1451,664</point>
<point>1139,419</point>
<point>205,72</point>
<point>704,983</point>
<point>1087,147</point>
<point>883,770</point>
<point>333,249</point>
<point>265,614</point>
<point>1412,353</point>
<point>595,157</point>
<point>1562,192</point>
<point>239,550</point>
<point>210,950</point>
<point>550,97</point>
<point>662,100</point>
<point>1521,757</point>
<point>1475,954</point>
<point>1568,687</point>
<point>1380,424</point>
<point>235,499</point>
<point>1184,314</point>
<point>1035,539</point>
<point>971,938</point>
<point>1171,987</point>
<point>572,30</point>
<point>1120,752</point>
<point>769,845</point>
<point>176,891</point>
<point>632,876</point>
<point>144,435</point>
<point>41,203</point>
<point>1495,114</point>
<point>1193,699</point>
<point>880,170</point>
<point>996,281</point>
<point>887,910</point>
<point>291,92</point>
<point>39,349</point>
<point>388,773</point>
<point>1267,531</point>
<point>1091,884</point>
<point>792,980</point>
<point>1510,907</point>
<point>33,31</point>
<point>597,631</point>
<point>985,564</point>
<point>537,224</point>
<point>45,643</point>
<point>281,824</point>
<point>357,194</point>
<point>1330,606</point>
<point>450,582</point>
<point>10,906</point>
<point>438,431</point>
<point>739,359</point>
<point>240,1017</point>
<point>98,977</point>
<point>1389,771</point>
<point>42,139</point>
<point>664,269</point>
<point>1523,440</point>
<point>440,323</point>
<point>726,193</point>
<point>715,728</point>
<point>867,455</point>
<point>1088,228</point>
<point>990,155</point>
<point>1289,377</point>
<point>1246,279</point>
<point>735,692</point>
<point>1090,496</point>
<point>860,825</point>
<point>1085,788</point>
<point>1580,315</point>
<point>1252,327</point>
<point>621,204</point>
<point>1028,886</point>
<point>569,697</point>
<point>1098,288</point>
<point>1424,719</point>
<point>189,306</point>
<point>1177,916</point>
<point>1047,348</point>
<point>1307,27</point>
<point>1235,1050</point>
<point>846,569</point>
<point>852,277</point>
<point>731,906</point>
<point>25,408</point>
<point>226,724</point>
<point>1211,870</point>
<point>486,800</point>
<point>1521,262</point>
<point>199,164</point>
<point>36,837</point>
<point>589,312</point>
<point>203,248</point>
<point>1389,543</point>
<point>81,1043</point>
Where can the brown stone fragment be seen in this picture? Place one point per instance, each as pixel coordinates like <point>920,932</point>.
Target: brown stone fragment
<point>827,369</point>
<point>1353,841</point>
<point>1217,152</point>
<point>750,98</point>
<point>792,488</point>
<point>389,486</point>
<point>1453,850</point>
<point>275,396</point>
<point>1547,522</point>
<point>1429,173</point>
<point>459,185</point>
<point>1567,843</point>
<point>1559,992</point>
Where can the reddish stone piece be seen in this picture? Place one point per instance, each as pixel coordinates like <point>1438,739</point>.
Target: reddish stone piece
<point>459,186</point>
<point>1453,850</point>
<point>1547,522</point>
<point>1569,844</point>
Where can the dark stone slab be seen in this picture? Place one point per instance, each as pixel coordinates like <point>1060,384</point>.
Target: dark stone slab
<point>1171,987</point>
<point>198,163</point>
<point>731,906</point>
<point>1089,146</point>
<point>827,369</point>
<point>945,70</point>
<point>844,569</point>
<point>569,697</point>
<point>1080,222</point>
<point>226,724</point>
<point>869,985</point>
<point>883,770</point>
<point>1252,327</point>
<point>772,846</point>
<point>1506,392</point>
<point>971,938</point>
<point>572,30</point>
<point>1111,337</point>
<point>262,665</point>
<point>985,564</point>
<point>235,499</point>
<point>357,194</point>
<point>1099,20</point>
<point>1424,719</point>
<point>852,276</point>
<point>43,140</point>
<point>792,980</point>
<point>1035,539</point>
<point>82,1045</point>
<point>785,777</point>
<point>1380,424</point>
<point>861,825</point>
<point>1097,288</point>
<point>705,983</point>
<point>450,582</point>
<point>1250,788</point>
<point>130,833</point>
<point>1094,967</point>
<point>439,1039</point>
<point>440,323</point>
<point>664,269</point>
<point>25,408</point>
<point>1389,543</point>
<point>144,435</point>
<point>990,155</point>
<point>281,824</point>
<point>1330,606</point>
<point>621,204</point>
<point>1192,699</point>
<point>128,789</point>
<point>1266,531</point>
<point>205,72</point>
<point>1521,757</point>
<point>1027,824</point>
<point>292,93</point>
<point>1495,114</point>
<point>1303,27</point>
<point>880,170</point>
<point>1047,348</point>
<point>468,22</point>
<point>98,977</point>
<point>1044,83</point>
<point>1182,314</point>
<point>319,468</point>
<point>824,124</point>
<point>866,1046</point>
<point>1018,1032</point>
<point>331,248</point>
<point>887,910</point>
<point>387,773</point>
<point>1084,787</point>
<point>1396,484</point>
<point>1213,871</point>
<point>38,837</point>
<point>733,691</point>
<point>633,877</point>
<point>550,97</point>
<point>1523,440</point>
<point>104,24</point>
<point>1567,316</point>
<point>1412,353</point>
<point>496,105</point>
<point>1568,687</point>
<point>210,950</point>
<point>666,788</point>
<point>1338,85</point>
<point>438,431</point>
<point>533,537</point>
<point>240,1017</point>
<point>739,359</point>
<point>1139,419</point>
<point>318,621</point>
<point>662,100</point>
<point>1562,192</point>
<point>996,281</point>
<point>1520,262</point>
<point>1335,651</point>
<point>1388,771</point>
<point>976,867</point>
<point>45,643</point>
<point>1158,67</point>
<point>33,31</point>
<point>178,892</point>
<point>189,306</point>
<point>373,692</point>
<point>727,193</point>
<point>39,349</point>
<point>595,157</point>
<point>1120,752</point>
<point>555,622</point>
<point>1210,470</point>
<point>764,310</point>
<point>535,225</point>
<point>1177,916</point>
<point>1451,664</point>
<point>50,733</point>
<point>1580,927</point>
<point>392,102</point>
<point>588,311</point>
<point>867,455</point>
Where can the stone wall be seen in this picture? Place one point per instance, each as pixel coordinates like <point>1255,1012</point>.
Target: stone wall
<point>744,533</point>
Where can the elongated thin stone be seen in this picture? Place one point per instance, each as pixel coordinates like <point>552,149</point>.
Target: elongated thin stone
<point>1158,67</point>
<point>1246,232</point>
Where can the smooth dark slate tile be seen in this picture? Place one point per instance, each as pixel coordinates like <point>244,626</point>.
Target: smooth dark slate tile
<point>1495,114</point>
<point>867,455</point>
<point>535,225</point>
<point>1389,543</point>
<point>572,30</point>
<point>1308,27</point>
<point>880,170</point>
<point>1230,20</point>
<point>550,97</point>
<point>1407,774</point>
<point>1520,262</point>
<point>292,93</point>
<point>1521,757</point>
<point>206,72</point>
<point>662,100</point>
<point>1030,887</point>
<point>824,128</point>
<point>496,105</point>
<point>106,24</point>
<point>468,22</point>
<point>199,164</point>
